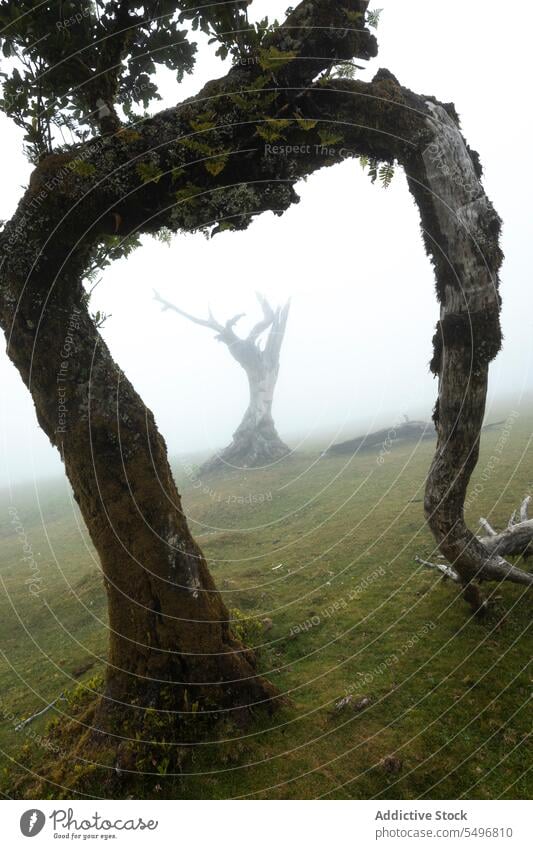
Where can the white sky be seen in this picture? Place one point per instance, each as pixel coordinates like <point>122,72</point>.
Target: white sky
<point>350,255</point>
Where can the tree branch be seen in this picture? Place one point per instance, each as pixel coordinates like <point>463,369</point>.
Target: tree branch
<point>516,540</point>
<point>277,334</point>
<point>211,323</point>
<point>230,324</point>
<point>445,570</point>
<point>488,527</point>
<point>102,85</point>
<point>266,321</point>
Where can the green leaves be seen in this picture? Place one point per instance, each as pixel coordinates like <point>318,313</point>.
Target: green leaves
<point>272,128</point>
<point>373,16</point>
<point>177,174</point>
<point>329,137</point>
<point>273,59</point>
<point>344,71</point>
<point>384,171</point>
<point>149,172</point>
<point>306,124</point>
<point>222,227</point>
<point>216,165</point>
<point>187,193</point>
<point>354,17</point>
<point>100,318</point>
<point>227,24</point>
<point>82,168</point>
<point>203,122</point>
<point>197,146</point>
<point>386,174</point>
<point>253,100</point>
<point>107,251</point>
<point>129,136</point>
<point>65,56</point>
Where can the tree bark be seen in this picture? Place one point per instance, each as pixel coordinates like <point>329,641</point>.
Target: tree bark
<point>171,645</point>
<point>462,234</point>
<point>170,641</point>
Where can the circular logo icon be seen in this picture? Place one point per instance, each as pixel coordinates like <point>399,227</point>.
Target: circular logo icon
<point>32,822</point>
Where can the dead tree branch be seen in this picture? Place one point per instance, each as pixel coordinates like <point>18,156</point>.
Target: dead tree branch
<point>515,541</point>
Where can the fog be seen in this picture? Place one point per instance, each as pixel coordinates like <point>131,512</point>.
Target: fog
<point>350,256</point>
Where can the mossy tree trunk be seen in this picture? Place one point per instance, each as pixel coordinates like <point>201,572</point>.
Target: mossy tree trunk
<point>170,642</point>
<point>461,231</point>
<point>171,645</point>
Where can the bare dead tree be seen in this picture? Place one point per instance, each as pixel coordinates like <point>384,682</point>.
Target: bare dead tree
<point>256,441</point>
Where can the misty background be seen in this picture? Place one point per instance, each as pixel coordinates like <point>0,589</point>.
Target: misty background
<point>350,256</point>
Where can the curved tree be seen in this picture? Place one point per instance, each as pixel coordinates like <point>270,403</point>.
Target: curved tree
<point>213,162</point>
<point>256,441</point>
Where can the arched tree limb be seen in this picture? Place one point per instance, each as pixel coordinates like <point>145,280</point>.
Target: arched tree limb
<point>171,645</point>
<point>169,626</point>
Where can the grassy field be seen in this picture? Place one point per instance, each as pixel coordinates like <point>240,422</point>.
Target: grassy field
<point>323,550</point>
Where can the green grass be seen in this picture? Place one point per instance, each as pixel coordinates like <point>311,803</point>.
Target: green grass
<point>449,694</point>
